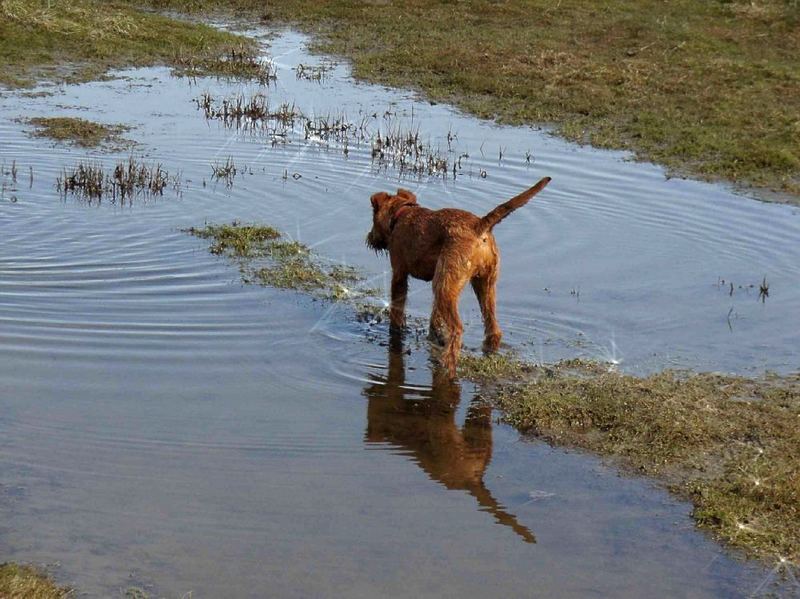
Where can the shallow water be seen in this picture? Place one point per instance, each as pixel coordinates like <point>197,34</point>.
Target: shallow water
<point>165,426</point>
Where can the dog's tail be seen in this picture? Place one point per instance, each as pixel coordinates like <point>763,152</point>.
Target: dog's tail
<point>503,210</point>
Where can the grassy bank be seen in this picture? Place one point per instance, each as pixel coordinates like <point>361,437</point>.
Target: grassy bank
<point>82,39</point>
<point>729,444</point>
<point>710,89</point>
<point>24,582</point>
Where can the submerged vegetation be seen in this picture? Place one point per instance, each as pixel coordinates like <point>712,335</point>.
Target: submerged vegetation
<point>730,444</point>
<point>82,39</point>
<point>84,133</point>
<point>710,89</point>
<point>25,582</point>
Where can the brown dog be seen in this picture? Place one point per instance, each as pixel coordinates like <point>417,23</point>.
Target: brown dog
<point>448,247</point>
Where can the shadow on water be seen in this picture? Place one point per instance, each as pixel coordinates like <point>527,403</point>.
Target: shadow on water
<point>423,422</point>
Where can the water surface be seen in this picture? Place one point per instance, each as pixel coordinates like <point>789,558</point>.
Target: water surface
<point>165,426</point>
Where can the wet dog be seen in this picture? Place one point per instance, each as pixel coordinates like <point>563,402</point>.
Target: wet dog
<point>449,247</point>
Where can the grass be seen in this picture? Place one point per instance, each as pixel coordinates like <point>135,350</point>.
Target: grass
<point>266,258</point>
<point>710,89</point>
<point>729,444</point>
<point>129,179</point>
<point>81,132</point>
<point>25,582</point>
<point>82,39</point>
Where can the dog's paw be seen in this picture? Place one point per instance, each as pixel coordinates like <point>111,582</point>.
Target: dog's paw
<point>435,337</point>
<point>491,343</point>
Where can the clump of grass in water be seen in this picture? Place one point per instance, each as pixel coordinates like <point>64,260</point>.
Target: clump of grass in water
<point>404,150</point>
<point>225,171</point>
<point>730,444</point>
<point>236,62</point>
<point>312,72</point>
<point>237,240</point>
<point>23,582</point>
<point>127,180</point>
<point>84,133</point>
<point>266,258</point>
<point>245,112</point>
<point>397,147</point>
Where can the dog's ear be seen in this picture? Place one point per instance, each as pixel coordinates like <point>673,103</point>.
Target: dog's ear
<point>377,198</point>
<point>407,195</point>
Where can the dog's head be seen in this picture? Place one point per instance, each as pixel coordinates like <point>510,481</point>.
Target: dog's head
<point>384,208</point>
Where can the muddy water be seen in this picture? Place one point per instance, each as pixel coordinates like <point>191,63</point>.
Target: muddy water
<point>166,427</point>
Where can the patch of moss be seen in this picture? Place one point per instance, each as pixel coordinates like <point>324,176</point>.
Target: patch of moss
<point>25,582</point>
<point>79,131</point>
<point>730,444</point>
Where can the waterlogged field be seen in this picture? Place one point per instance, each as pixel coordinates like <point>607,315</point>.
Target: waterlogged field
<point>170,428</point>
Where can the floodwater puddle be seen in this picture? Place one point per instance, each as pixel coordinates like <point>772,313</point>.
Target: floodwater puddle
<point>166,426</point>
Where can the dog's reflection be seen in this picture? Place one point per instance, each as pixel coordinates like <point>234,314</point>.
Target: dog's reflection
<point>423,422</point>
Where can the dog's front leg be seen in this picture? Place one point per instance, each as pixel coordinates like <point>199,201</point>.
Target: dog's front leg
<point>397,318</point>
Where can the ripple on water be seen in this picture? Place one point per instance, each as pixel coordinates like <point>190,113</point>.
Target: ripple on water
<point>166,419</point>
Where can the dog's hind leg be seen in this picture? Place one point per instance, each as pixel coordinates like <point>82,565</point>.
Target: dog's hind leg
<point>397,319</point>
<point>484,287</point>
<point>448,282</point>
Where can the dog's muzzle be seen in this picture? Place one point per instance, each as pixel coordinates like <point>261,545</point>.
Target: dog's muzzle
<point>376,242</point>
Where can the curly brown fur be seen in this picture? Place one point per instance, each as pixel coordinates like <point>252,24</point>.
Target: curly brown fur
<point>449,247</point>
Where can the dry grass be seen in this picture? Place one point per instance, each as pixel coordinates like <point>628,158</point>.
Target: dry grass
<point>128,180</point>
<point>81,132</point>
<point>24,582</point>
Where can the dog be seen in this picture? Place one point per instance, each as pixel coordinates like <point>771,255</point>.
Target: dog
<point>449,247</point>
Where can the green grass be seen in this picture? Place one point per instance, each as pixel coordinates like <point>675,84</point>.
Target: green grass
<point>84,133</point>
<point>266,258</point>
<point>710,89</point>
<point>24,582</point>
<point>82,39</point>
<point>729,444</point>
